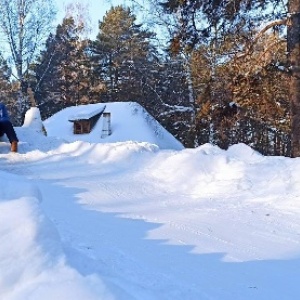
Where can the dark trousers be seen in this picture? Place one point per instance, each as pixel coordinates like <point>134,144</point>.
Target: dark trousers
<point>7,128</point>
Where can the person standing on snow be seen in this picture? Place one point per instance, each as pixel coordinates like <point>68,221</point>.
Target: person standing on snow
<point>7,128</point>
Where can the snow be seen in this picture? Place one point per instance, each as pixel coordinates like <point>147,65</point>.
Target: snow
<point>87,111</point>
<point>129,122</point>
<point>143,218</point>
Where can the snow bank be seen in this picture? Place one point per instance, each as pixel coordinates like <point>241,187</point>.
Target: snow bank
<point>217,172</point>
<point>204,208</point>
<point>129,122</point>
<point>33,120</point>
<point>121,154</point>
<point>32,263</point>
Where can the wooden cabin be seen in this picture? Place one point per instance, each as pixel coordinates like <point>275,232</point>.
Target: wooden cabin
<point>85,122</point>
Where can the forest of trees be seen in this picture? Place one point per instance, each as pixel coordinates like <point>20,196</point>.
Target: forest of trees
<point>210,71</point>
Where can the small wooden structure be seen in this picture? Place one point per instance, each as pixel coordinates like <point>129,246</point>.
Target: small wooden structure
<point>84,122</point>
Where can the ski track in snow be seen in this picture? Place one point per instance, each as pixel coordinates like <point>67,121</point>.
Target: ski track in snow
<point>184,246</point>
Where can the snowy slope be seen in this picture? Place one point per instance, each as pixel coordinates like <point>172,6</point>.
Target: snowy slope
<point>129,122</point>
<point>129,220</point>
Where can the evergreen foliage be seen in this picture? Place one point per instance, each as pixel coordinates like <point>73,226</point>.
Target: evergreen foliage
<point>64,71</point>
<point>123,56</point>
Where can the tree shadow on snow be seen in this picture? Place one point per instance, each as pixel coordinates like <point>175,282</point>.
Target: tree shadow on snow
<point>118,251</point>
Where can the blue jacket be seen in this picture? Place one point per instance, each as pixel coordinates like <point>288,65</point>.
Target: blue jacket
<point>3,113</point>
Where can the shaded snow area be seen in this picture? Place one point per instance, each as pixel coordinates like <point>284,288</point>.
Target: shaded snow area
<point>143,218</point>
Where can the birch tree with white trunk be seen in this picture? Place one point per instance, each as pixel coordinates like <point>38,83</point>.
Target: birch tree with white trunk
<point>24,27</point>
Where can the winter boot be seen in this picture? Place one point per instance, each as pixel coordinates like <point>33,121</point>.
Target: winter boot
<point>14,146</point>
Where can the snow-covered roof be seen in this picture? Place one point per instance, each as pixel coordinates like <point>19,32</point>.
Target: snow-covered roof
<point>86,112</point>
<point>129,122</point>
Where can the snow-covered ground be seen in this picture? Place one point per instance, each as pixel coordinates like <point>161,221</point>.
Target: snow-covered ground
<point>137,216</point>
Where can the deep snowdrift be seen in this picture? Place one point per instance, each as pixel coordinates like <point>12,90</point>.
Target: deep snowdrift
<point>129,122</point>
<point>128,220</point>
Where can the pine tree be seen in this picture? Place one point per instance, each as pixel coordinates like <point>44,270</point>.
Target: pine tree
<point>7,94</point>
<point>5,74</point>
<point>64,71</point>
<point>123,55</point>
<point>132,70</point>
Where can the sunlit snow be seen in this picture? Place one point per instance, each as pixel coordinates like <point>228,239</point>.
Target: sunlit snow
<point>137,216</point>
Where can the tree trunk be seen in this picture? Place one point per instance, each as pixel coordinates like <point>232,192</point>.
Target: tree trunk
<point>293,45</point>
<point>188,74</point>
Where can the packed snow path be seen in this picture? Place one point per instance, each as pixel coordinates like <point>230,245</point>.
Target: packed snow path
<point>161,224</point>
